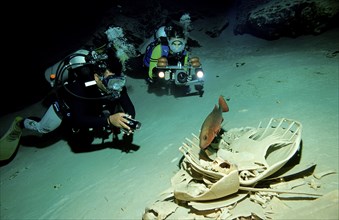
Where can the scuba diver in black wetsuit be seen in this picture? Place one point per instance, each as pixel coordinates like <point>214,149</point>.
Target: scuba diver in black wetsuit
<point>95,98</point>
<point>90,100</point>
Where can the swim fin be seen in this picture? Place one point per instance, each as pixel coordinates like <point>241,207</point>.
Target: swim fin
<point>10,141</point>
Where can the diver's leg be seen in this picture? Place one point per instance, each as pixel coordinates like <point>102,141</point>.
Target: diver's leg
<point>49,122</point>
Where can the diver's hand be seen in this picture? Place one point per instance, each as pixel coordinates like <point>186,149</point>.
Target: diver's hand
<point>119,121</point>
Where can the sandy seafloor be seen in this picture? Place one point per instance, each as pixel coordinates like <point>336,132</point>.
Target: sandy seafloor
<point>290,78</point>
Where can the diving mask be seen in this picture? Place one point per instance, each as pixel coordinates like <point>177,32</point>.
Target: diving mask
<point>114,84</point>
<point>177,44</point>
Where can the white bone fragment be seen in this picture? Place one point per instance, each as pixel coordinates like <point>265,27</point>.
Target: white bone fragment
<point>324,173</point>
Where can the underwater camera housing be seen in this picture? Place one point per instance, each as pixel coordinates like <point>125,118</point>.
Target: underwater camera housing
<point>132,123</point>
<point>180,75</point>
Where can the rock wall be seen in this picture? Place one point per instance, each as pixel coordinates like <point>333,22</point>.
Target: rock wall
<point>291,18</point>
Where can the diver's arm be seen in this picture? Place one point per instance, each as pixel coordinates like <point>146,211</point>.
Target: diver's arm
<point>126,103</point>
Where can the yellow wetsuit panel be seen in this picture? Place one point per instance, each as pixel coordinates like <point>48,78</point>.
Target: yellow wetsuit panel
<point>186,58</point>
<point>156,54</point>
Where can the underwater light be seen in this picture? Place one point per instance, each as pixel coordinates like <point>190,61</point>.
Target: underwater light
<point>199,73</point>
<point>161,74</point>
